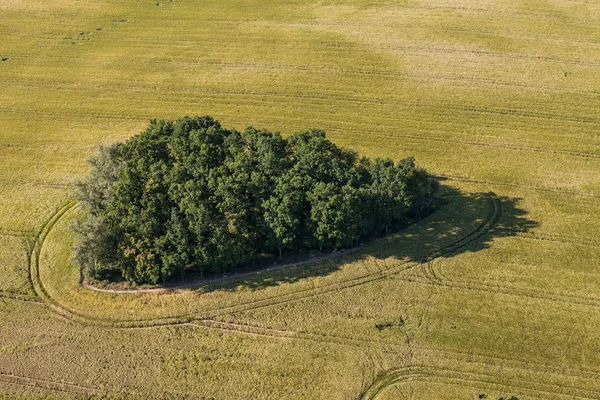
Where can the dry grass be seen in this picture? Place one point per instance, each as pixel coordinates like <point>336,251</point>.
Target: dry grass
<point>499,96</point>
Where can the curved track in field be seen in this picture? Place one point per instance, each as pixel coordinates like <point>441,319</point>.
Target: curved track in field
<point>431,276</point>
<point>206,320</point>
<point>460,378</point>
<point>485,226</point>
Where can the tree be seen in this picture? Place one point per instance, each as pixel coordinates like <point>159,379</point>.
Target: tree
<point>97,237</point>
<point>191,195</point>
<point>283,213</point>
<point>335,214</point>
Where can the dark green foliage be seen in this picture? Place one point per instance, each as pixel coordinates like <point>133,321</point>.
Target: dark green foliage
<point>191,195</point>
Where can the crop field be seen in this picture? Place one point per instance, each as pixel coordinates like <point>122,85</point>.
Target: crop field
<point>496,294</point>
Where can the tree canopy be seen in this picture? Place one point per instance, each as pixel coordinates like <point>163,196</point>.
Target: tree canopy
<point>189,194</point>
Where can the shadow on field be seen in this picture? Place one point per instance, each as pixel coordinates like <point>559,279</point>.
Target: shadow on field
<point>463,222</point>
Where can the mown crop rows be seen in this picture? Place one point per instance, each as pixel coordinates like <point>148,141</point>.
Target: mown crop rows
<point>495,293</point>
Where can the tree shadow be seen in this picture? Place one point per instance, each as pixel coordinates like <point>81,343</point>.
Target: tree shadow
<point>463,222</point>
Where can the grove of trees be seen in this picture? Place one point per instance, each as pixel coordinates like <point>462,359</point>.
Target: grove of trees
<point>191,195</point>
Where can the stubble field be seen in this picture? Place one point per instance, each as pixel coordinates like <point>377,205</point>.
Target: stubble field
<point>496,294</point>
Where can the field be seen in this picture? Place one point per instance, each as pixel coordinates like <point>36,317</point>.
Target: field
<point>495,294</point>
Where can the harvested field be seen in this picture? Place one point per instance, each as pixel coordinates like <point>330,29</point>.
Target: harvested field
<point>495,294</point>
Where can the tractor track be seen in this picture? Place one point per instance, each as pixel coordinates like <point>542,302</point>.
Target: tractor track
<point>489,221</point>
<point>19,296</point>
<point>432,277</point>
<point>428,137</point>
<point>206,319</point>
<point>549,189</point>
<point>461,378</point>
<point>564,239</point>
<point>46,384</point>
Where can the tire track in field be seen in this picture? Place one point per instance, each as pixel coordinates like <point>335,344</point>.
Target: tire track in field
<point>469,357</point>
<point>539,150</point>
<point>20,296</point>
<point>557,190</point>
<point>46,384</point>
<point>253,330</point>
<point>564,239</point>
<point>226,43</point>
<point>370,72</point>
<point>72,114</point>
<point>343,27</point>
<point>187,97</point>
<point>12,233</point>
<point>482,53</point>
<point>325,95</point>
<point>434,276</point>
<point>257,330</point>
<point>55,306</point>
<point>463,357</point>
<point>17,293</point>
<point>274,97</point>
<point>436,28</point>
<point>312,25</point>
<point>461,378</point>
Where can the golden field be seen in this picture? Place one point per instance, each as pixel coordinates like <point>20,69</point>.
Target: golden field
<point>497,293</point>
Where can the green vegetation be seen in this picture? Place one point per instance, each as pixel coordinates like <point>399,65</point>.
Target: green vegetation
<point>498,290</point>
<point>191,195</point>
